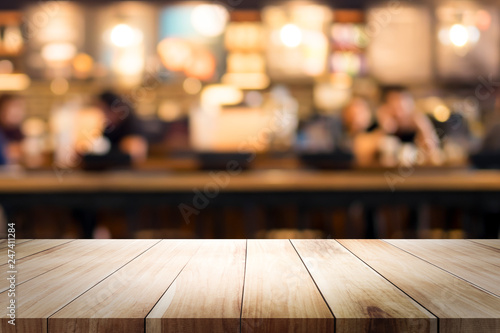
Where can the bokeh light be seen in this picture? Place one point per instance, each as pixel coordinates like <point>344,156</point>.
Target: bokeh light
<point>192,86</point>
<point>83,65</point>
<point>130,63</point>
<point>174,53</point>
<point>209,20</point>
<point>441,113</point>
<point>58,52</point>
<point>202,65</point>
<point>459,36</point>
<point>59,86</point>
<point>124,35</point>
<point>220,94</point>
<point>291,35</point>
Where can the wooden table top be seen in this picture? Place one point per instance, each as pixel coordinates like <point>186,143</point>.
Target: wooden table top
<point>254,286</point>
<point>264,180</point>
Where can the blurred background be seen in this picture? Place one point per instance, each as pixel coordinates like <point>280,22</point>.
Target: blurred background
<point>247,118</point>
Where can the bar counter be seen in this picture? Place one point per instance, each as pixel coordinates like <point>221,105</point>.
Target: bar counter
<point>195,195</point>
<point>251,181</point>
<point>254,286</point>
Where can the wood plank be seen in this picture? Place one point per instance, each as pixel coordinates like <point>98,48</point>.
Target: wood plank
<point>279,294</point>
<point>121,302</point>
<point>361,299</point>
<point>488,242</point>
<point>460,306</point>
<point>43,262</point>
<point>207,294</point>
<point>27,249</point>
<point>4,242</point>
<point>470,261</point>
<point>41,297</point>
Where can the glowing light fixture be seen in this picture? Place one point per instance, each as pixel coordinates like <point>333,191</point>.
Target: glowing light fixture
<point>474,34</point>
<point>202,66</point>
<point>459,35</point>
<point>441,113</point>
<point>13,39</point>
<point>249,81</point>
<point>130,63</point>
<point>83,65</point>
<point>175,53</point>
<point>444,36</point>
<point>220,94</point>
<point>123,35</point>
<point>291,35</point>
<point>58,52</point>
<point>14,82</point>
<point>209,20</point>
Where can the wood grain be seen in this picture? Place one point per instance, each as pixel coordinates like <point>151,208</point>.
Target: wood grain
<point>279,294</point>
<point>41,297</point>
<point>43,262</point>
<point>361,299</point>
<point>207,294</point>
<point>4,242</point>
<point>470,261</point>
<point>255,286</point>
<point>460,306</point>
<point>122,301</point>
<point>488,242</point>
<point>27,249</point>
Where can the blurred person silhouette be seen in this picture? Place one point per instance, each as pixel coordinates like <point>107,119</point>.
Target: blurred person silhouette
<point>491,141</point>
<point>491,147</point>
<point>362,134</point>
<point>123,129</point>
<point>12,114</point>
<point>399,118</point>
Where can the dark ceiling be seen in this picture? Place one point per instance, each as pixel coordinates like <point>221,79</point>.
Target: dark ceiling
<point>236,4</point>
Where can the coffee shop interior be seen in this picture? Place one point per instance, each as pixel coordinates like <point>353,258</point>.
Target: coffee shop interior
<point>250,119</point>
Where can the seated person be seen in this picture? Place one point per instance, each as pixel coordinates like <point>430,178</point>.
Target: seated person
<point>491,142</point>
<point>398,117</point>
<point>12,112</point>
<point>123,128</point>
<point>491,145</point>
<point>362,133</point>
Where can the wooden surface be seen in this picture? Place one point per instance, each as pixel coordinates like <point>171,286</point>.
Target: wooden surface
<point>209,290</point>
<point>265,180</point>
<point>106,306</point>
<point>255,286</point>
<point>459,305</point>
<point>488,242</point>
<point>27,249</point>
<point>4,243</point>
<point>480,269</point>
<point>360,298</point>
<point>278,287</point>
